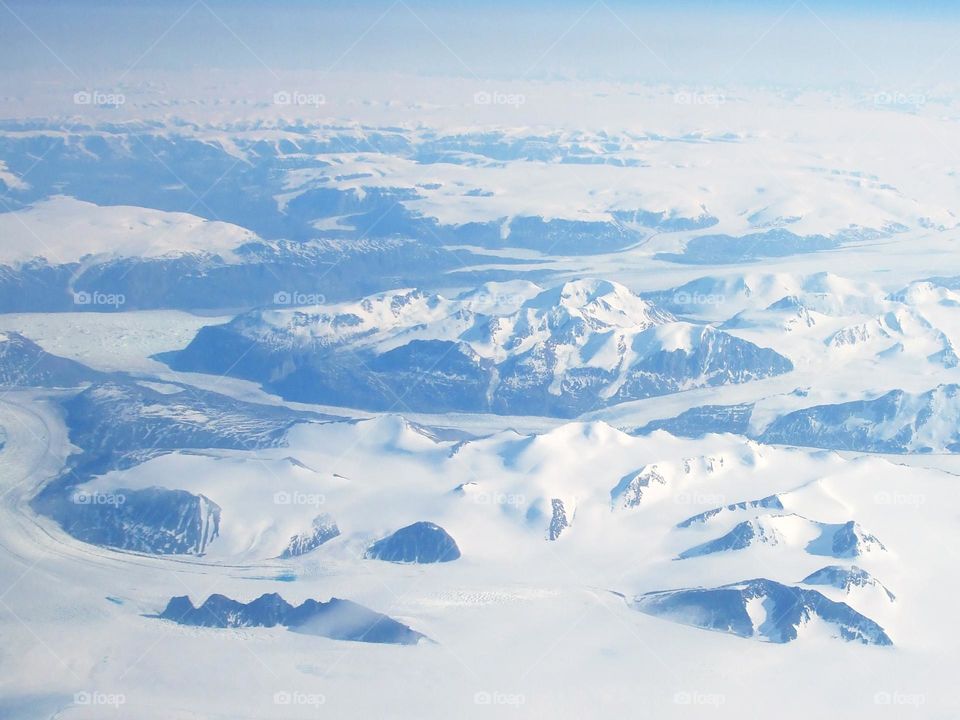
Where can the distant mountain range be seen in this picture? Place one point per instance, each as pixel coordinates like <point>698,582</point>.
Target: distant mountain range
<point>508,348</point>
<point>895,422</point>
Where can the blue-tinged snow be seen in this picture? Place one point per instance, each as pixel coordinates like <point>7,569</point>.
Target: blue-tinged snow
<point>23,363</point>
<point>761,609</point>
<point>421,542</point>
<point>337,619</point>
<point>323,529</point>
<point>560,352</point>
<point>119,425</point>
<point>897,422</point>
<point>847,579</point>
<point>771,502</point>
<point>839,540</point>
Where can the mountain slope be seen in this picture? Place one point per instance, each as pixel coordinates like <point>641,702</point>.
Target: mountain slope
<point>763,610</point>
<point>23,363</point>
<point>559,352</point>
<point>337,619</point>
<point>897,422</point>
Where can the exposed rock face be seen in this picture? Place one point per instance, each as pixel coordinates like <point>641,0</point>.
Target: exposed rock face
<point>839,540</point>
<point>324,529</point>
<point>558,520</point>
<point>630,491</point>
<point>850,540</point>
<point>847,579</point>
<point>337,619</point>
<point>761,609</point>
<point>422,542</point>
<point>743,535</point>
<point>23,363</point>
<point>153,520</point>
<point>771,502</point>
<point>118,424</point>
<point>699,421</point>
<point>557,352</point>
<point>898,422</point>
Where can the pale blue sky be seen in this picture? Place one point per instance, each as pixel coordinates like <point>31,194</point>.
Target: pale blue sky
<point>806,43</point>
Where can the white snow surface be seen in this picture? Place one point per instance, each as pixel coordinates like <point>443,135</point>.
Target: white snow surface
<point>63,230</point>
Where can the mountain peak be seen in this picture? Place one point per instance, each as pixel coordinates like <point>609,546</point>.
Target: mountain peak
<point>602,303</point>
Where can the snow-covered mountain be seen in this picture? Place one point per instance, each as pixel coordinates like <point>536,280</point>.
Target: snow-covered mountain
<point>337,619</point>
<point>322,528</point>
<point>47,232</point>
<point>149,520</point>
<point>281,496</point>
<point>840,540</point>
<point>252,274</point>
<point>897,422</point>
<point>23,363</point>
<point>120,424</point>
<point>850,580</point>
<point>392,206</point>
<point>421,542</point>
<point>894,422</point>
<point>764,610</point>
<point>232,504</point>
<point>546,495</point>
<point>562,351</point>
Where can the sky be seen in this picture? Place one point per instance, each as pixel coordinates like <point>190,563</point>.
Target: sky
<point>807,43</point>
